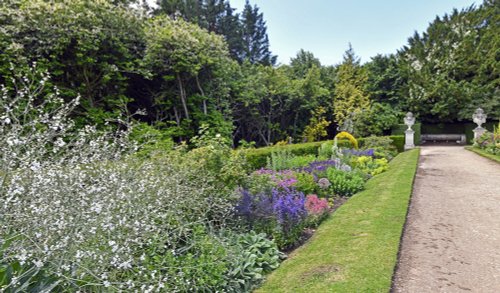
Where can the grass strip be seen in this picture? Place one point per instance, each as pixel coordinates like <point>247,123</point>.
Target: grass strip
<point>483,153</point>
<point>356,249</point>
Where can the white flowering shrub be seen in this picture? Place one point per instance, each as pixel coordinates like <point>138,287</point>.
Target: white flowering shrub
<point>80,205</point>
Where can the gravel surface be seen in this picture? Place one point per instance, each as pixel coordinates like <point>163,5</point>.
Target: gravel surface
<point>451,241</point>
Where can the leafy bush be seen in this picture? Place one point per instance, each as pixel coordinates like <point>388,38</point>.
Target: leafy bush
<point>376,120</point>
<point>257,158</point>
<point>345,183</point>
<point>370,166</point>
<point>280,214</point>
<point>305,183</point>
<point>284,159</point>
<point>101,218</point>
<point>17,276</point>
<point>399,142</point>
<point>490,141</point>
<point>255,256</point>
<point>348,136</point>
<point>325,150</point>
<point>382,145</point>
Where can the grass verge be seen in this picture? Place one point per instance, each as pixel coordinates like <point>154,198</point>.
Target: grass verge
<point>483,153</point>
<point>356,249</point>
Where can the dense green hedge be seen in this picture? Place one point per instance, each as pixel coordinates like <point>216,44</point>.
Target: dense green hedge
<point>456,128</point>
<point>400,130</point>
<point>257,158</point>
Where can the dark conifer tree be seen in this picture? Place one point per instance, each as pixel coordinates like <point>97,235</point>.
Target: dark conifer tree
<point>255,39</point>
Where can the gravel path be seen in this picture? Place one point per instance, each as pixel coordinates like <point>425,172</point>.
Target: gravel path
<point>451,241</point>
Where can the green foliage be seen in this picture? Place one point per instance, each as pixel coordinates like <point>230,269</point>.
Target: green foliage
<point>305,183</point>
<point>256,255</point>
<point>325,150</point>
<point>344,183</point>
<point>214,156</point>
<point>151,140</point>
<point>257,158</point>
<point>22,277</point>
<point>370,166</point>
<point>399,129</point>
<point>452,67</point>
<point>284,159</point>
<point>383,145</point>
<point>254,36</point>
<point>87,46</point>
<point>376,120</point>
<point>399,142</point>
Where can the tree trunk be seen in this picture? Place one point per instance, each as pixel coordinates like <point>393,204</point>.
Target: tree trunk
<point>177,118</point>
<point>183,95</point>
<point>205,111</point>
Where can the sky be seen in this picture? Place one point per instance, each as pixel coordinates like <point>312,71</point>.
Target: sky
<point>326,27</point>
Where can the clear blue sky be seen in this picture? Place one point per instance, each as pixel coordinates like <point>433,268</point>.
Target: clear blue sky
<point>325,27</point>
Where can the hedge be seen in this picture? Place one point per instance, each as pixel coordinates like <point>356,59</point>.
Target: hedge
<point>400,130</point>
<point>456,128</point>
<point>257,158</point>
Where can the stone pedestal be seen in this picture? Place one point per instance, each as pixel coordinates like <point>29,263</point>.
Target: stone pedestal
<point>478,131</point>
<point>409,139</point>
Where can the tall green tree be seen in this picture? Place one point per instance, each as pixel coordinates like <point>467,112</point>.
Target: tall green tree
<point>177,54</point>
<point>453,67</point>
<point>351,95</point>
<point>255,39</point>
<point>91,49</point>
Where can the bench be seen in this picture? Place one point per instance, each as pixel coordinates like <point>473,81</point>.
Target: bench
<point>458,138</point>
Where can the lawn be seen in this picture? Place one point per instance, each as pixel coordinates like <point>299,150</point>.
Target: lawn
<point>483,153</point>
<point>356,249</point>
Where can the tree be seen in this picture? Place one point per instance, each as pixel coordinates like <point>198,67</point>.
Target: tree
<point>91,48</point>
<point>255,39</point>
<point>317,127</point>
<point>303,62</point>
<point>452,68</point>
<point>177,54</point>
<point>350,91</point>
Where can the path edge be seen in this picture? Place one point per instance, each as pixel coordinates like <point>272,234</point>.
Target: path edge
<point>410,203</point>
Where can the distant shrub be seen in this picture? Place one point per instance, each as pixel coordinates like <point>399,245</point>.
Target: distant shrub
<point>344,183</point>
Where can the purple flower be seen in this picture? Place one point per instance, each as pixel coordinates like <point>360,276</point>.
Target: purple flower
<point>353,152</point>
<point>283,209</point>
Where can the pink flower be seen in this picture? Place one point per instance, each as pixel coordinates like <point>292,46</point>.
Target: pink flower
<point>315,205</point>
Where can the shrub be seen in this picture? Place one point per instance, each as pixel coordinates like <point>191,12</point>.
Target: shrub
<point>344,183</point>
<point>254,256</point>
<point>370,166</point>
<point>382,145</point>
<point>305,182</point>
<point>257,158</point>
<point>85,208</point>
<point>21,277</point>
<point>399,142</point>
<point>348,136</point>
<point>284,159</point>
